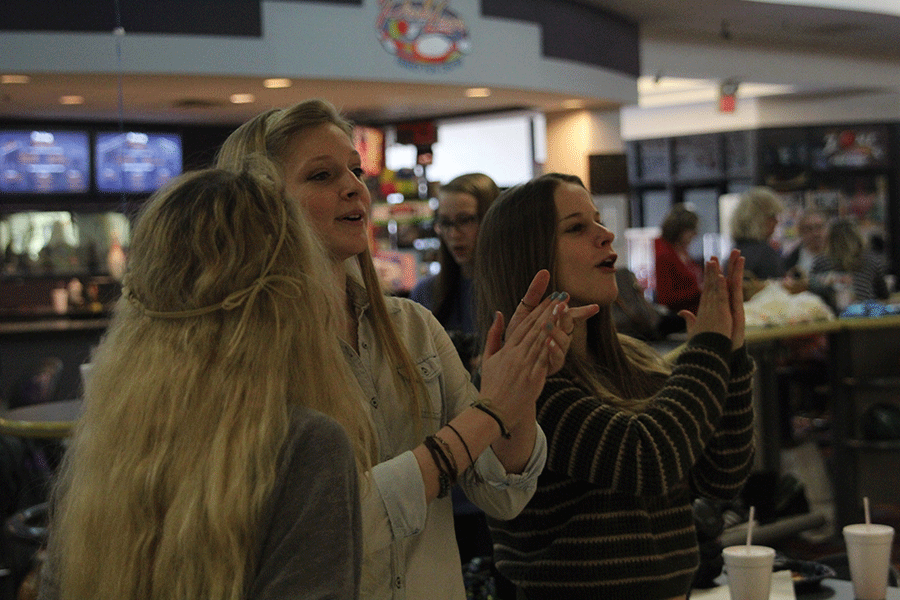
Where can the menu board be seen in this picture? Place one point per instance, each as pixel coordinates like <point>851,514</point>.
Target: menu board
<point>654,160</point>
<point>851,147</point>
<point>44,162</point>
<point>697,157</point>
<point>135,162</point>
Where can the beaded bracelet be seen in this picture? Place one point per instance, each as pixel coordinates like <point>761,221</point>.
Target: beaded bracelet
<point>480,405</point>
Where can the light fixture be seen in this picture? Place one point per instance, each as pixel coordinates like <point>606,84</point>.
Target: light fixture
<point>14,79</point>
<point>242,98</point>
<point>478,92</point>
<point>573,103</point>
<point>71,100</point>
<point>277,83</point>
<point>673,91</point>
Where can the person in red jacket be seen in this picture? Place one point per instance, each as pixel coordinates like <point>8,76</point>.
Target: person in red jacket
<point>677,275</point>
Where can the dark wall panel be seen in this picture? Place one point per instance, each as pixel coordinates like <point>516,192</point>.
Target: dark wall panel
<point>576,32</point>
<point>241,18</point>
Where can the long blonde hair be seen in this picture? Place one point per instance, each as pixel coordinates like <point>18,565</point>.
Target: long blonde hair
<point>187,409</point>
<point>844,245</point>
<point>271,133</point>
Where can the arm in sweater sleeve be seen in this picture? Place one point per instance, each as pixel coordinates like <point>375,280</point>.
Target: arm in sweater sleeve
<point>648,453</point>
<point>728,457</point>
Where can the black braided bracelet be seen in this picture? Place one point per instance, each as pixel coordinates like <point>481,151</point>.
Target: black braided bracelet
<point>480,406</point>
<point>478,478</point>
<point>447,453</point>
<point>442,463</point>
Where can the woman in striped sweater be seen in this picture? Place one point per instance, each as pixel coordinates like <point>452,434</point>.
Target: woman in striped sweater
<point>846,257</point>
<point>631,439</point>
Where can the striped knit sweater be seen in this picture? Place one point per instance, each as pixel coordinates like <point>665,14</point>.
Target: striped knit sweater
<point>868,281</point>
<point>611,518</point>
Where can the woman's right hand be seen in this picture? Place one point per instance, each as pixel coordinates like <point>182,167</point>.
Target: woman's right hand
<point>715,311</point>
<point>565,318</point>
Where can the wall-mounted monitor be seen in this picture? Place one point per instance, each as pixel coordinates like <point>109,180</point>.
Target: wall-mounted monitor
<point>44,161</point>
<point>135,162</point>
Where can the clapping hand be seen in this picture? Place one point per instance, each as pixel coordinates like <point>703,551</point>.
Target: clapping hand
<point>721,307</point>
<point>563,318</point>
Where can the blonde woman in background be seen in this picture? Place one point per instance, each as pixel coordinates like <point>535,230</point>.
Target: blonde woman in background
<point>212,460</point>
<point>847,257</point>
<point>752,224</point>
<point>415,383</point>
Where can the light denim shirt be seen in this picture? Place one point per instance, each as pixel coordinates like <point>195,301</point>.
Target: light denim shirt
<point>410,545</point>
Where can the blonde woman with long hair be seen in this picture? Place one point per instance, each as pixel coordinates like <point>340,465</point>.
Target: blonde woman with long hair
<point>432,425</point>
<point>218,453</point>
<point>847,259</point>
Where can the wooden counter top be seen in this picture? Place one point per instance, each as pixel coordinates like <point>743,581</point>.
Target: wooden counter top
<point>764,334</point>
<point>52,325</point>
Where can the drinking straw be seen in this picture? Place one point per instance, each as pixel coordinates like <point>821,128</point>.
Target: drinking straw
<point>750,528</point>
<point>866,509</point>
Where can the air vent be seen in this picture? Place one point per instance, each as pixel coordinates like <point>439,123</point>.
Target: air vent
<point>190,103</point>
<point>836,29</point>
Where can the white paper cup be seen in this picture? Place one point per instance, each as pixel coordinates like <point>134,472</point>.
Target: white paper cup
<point>59,297</point>
<point>869,553</point>
<point>749,570</point>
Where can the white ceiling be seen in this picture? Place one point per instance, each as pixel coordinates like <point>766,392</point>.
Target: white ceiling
<point>735,24</point>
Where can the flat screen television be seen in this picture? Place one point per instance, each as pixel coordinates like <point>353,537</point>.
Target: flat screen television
<point>44,161</point>
<point>134,162</point>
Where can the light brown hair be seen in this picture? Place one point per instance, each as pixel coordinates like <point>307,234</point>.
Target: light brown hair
<point>484,190</point>
<point>679,220</point>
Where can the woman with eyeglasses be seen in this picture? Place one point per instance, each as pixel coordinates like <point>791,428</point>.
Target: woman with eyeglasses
<point>448,294</point>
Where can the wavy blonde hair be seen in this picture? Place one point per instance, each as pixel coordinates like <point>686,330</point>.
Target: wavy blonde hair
<point>844,245</point>
<point>756,205</point>
<point>187,409</point>
<point>271,133</point>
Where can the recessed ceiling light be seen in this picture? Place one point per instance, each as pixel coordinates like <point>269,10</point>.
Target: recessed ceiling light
<point>478,92</point>
<point>242,98</point>
<point>276,83</point>
<point>71,99</point>
<point>14,79</point>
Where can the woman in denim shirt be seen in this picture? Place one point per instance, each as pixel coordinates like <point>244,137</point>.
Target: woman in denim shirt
<point>410,373</point>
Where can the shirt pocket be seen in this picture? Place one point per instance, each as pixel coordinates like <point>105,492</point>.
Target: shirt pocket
<point>430,370</point>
